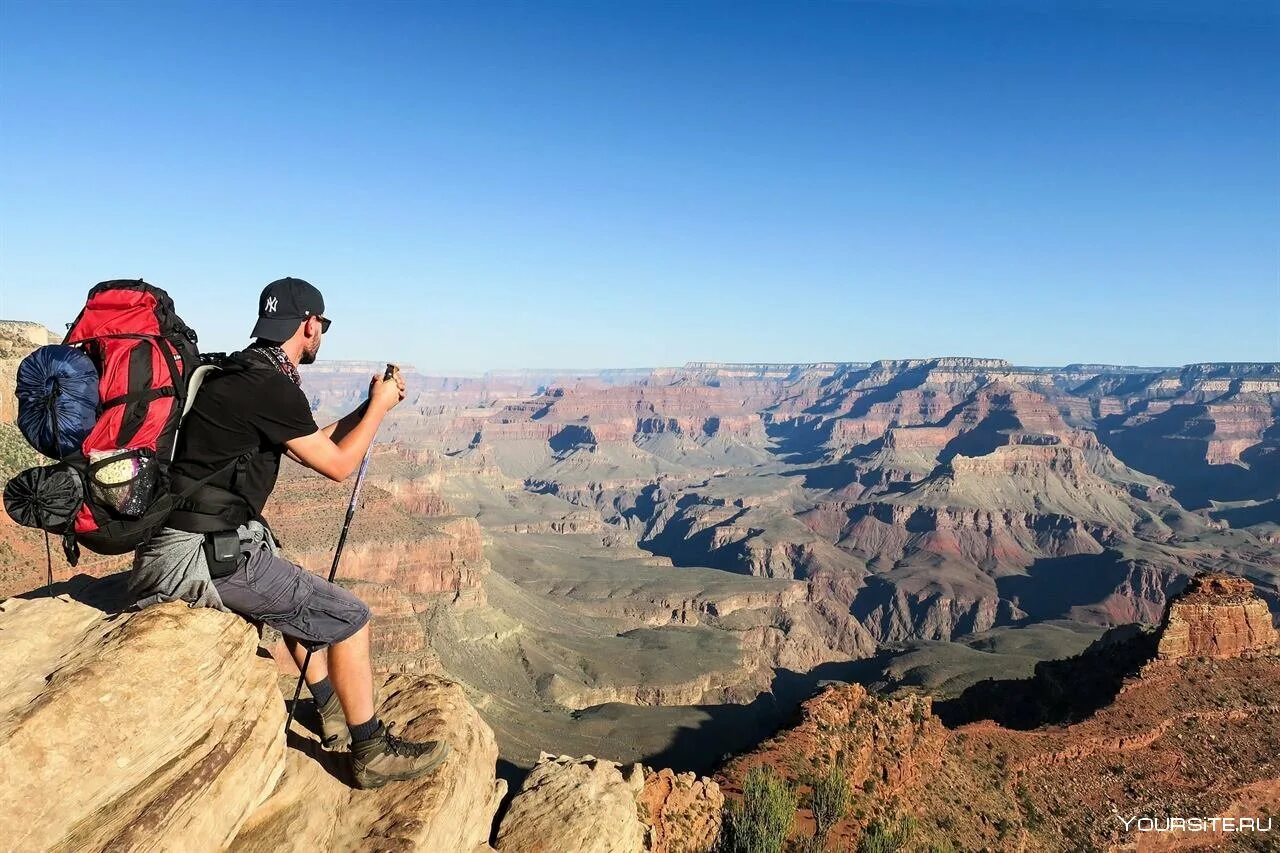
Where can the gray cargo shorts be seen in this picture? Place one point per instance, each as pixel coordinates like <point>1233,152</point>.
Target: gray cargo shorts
<point>270,589</point>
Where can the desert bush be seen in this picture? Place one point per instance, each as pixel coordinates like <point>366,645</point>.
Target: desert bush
<point>829,799</point>
<point>809,845</point>
<point>761,821</point>
<point>884,836</point>
<point>1032,819</point>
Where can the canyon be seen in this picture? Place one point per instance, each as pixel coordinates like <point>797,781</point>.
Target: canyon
<point>661,567</point>
<point>669,561</point>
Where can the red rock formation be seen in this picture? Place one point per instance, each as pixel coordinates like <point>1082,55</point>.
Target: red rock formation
<point>1209,430</point>
<point>681,812</point>
<point>416,497</point>
<point>1191,735</point>
<point>1198,741</point>
<point>422,556</point>
<point>1009,538</point>
<point>617,414</point>
<point>1216,616</point>
<point>398,640</point>
<point>447,557</point>
<point>885,747</point>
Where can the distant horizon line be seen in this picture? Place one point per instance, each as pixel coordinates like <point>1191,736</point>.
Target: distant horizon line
<point>790,366</point>
<point>704,364</point>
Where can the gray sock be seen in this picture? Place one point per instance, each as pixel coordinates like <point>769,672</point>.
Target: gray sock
<point>366,730</point>
<point>321,691</point>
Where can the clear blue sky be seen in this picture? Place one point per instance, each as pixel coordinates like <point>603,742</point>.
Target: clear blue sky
<point>623,184</point>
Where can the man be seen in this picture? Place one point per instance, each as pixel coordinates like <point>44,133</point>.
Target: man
<point>216,550</point>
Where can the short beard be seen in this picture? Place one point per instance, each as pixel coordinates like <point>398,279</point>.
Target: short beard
<point>309,354</point>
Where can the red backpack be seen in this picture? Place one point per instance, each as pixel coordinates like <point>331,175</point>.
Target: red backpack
<point>145,356</point>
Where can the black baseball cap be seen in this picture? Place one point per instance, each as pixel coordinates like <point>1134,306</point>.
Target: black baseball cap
<point>283,305</point>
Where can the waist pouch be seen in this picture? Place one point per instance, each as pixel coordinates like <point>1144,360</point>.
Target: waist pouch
<point>222,552</point>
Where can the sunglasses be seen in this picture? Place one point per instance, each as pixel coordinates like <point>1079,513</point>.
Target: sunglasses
<point>325,323</point>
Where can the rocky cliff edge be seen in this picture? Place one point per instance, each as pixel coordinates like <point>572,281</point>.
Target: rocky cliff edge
<point>164,730</point>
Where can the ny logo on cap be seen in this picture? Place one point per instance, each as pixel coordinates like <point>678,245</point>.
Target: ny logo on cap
<point>271,305</point>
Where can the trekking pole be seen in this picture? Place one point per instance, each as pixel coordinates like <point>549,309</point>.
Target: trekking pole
<point>337,554</point>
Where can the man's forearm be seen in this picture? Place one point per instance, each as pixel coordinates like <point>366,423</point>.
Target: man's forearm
<point>357,438</point>
<point>343,425</point>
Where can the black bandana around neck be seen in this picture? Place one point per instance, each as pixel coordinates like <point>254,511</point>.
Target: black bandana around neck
<point>276,355</point>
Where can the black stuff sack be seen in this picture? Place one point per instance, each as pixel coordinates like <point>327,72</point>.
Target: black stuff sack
<point>47,497</point>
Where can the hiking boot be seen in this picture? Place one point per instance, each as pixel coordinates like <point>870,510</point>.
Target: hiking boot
<point>334,734</point>
<point>386,758</point>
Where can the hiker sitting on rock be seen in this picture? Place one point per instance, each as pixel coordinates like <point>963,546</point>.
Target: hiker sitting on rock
<point>217,551</point>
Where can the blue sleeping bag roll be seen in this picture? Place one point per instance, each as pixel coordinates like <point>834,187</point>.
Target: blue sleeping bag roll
<point>59,384</point>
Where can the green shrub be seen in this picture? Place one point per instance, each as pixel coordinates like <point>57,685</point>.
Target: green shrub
<point>829,800</point>
<point>1032,818</point>
<point>762,820</point>
<point>809,845</point>
<point>887,836</point>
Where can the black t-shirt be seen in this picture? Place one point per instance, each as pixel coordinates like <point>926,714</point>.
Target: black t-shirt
<point>258,410</point>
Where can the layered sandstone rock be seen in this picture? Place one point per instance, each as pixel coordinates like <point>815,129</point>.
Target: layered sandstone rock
<point>893,613</point>
<point>446,558</point>
<point>393,540</point>
<point>452,808</point>
<point>163,730</point>
<point>586,805</point>
<point>589,805</point>
<point>1009,539</point>
<point>1208,429</point>
<point>1216,616</point>
<point>418,497</point>
<point>156,730</point>
<point>587,416</point>
<point>719,371</point>
<point>736,685</point>
<point>571,522</point>
<point>397,640</point>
